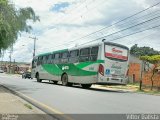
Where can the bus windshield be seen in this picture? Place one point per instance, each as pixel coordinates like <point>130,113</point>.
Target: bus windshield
<point>116,53</point>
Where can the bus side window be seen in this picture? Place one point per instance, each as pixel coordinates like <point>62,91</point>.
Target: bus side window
<point>84,55</point>
<point>52,58</point>
<point>49,59</point>
<point>33,63</point>
<point>57,58</point>
<point>94,53</point>
<point>46,59</point>
<point>74,56</point>
<point>39,60</point>
<point>64,57</point>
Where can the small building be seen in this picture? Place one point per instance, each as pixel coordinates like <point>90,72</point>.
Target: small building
<point>134,71</point>
<point>15,67</point>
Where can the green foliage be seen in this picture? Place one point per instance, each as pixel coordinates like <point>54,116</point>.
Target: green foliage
<point>12,22</point>
<point>154,59</point>
<point>142,51</point>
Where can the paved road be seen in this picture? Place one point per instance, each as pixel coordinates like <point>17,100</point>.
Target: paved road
<point>77,100</point>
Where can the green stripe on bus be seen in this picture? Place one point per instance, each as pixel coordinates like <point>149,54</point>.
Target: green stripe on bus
<point>52,69</point>
<point>56,69</point>
<point>85,64</point>
<point>75,71</point>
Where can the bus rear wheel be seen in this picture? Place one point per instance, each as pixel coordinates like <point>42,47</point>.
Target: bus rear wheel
<point>64,79</point>
<point>38,79</point>
<point>86,86</point>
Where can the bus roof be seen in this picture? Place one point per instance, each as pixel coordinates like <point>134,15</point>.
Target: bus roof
<point>97,44</point>
<point>58,51</point>
<point>84,46</point>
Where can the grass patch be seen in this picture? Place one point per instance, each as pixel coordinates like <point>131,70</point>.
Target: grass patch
<point>28,106</point>
<point>148,91</point>
<point>135,88</point>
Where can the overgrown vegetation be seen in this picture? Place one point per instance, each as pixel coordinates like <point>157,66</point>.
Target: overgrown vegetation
<point>28,106</point>
<point>142,51</point>
<point>155,60</point>
<point>12,22</point>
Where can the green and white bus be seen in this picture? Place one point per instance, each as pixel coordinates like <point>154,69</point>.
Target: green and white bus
<point>101,63</point>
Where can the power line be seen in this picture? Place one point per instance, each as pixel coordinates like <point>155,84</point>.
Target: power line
<point>147,36</point>
<point>144,22</point>
<point>125,35</point>
<point>133,26</point>
<point>116,22</point>
<point>136,32</point>
<point>121,20</point>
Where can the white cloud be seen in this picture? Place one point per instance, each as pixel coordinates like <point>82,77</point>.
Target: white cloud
<point>78,19</point>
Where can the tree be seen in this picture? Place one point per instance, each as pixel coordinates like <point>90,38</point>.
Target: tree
<point>142,51</point>
<point>155,60</point>
<point>12,22</point>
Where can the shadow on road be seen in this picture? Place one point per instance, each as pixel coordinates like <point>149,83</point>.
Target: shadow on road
<point>79,87</point>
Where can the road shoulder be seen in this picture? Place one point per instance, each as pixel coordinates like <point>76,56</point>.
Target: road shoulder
<point>12,104</point>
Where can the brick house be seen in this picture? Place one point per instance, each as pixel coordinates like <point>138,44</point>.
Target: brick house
<point>16,67</point>
<point>134,73</point>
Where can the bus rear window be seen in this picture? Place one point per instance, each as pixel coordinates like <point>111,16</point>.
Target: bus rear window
<point>115,52</point>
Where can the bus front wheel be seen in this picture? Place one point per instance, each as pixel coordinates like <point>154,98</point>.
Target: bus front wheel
<point>38,79</point>
<point>86,86</point>
<point>65,79</point>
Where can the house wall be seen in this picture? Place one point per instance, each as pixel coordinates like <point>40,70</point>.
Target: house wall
<point>147,79</point>
<point>134,72</point>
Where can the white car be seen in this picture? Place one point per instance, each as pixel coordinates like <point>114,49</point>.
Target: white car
<point>1,71</point>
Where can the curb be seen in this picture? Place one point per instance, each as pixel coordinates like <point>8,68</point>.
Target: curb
<point>55,114</point>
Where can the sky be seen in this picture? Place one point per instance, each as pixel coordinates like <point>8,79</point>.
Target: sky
<point>64,22</point>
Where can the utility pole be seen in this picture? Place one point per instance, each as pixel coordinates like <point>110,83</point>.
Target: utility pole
<point>2,55</point>
<point>34,46</point>
<point>10,59</point>
<point>142,70</point>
